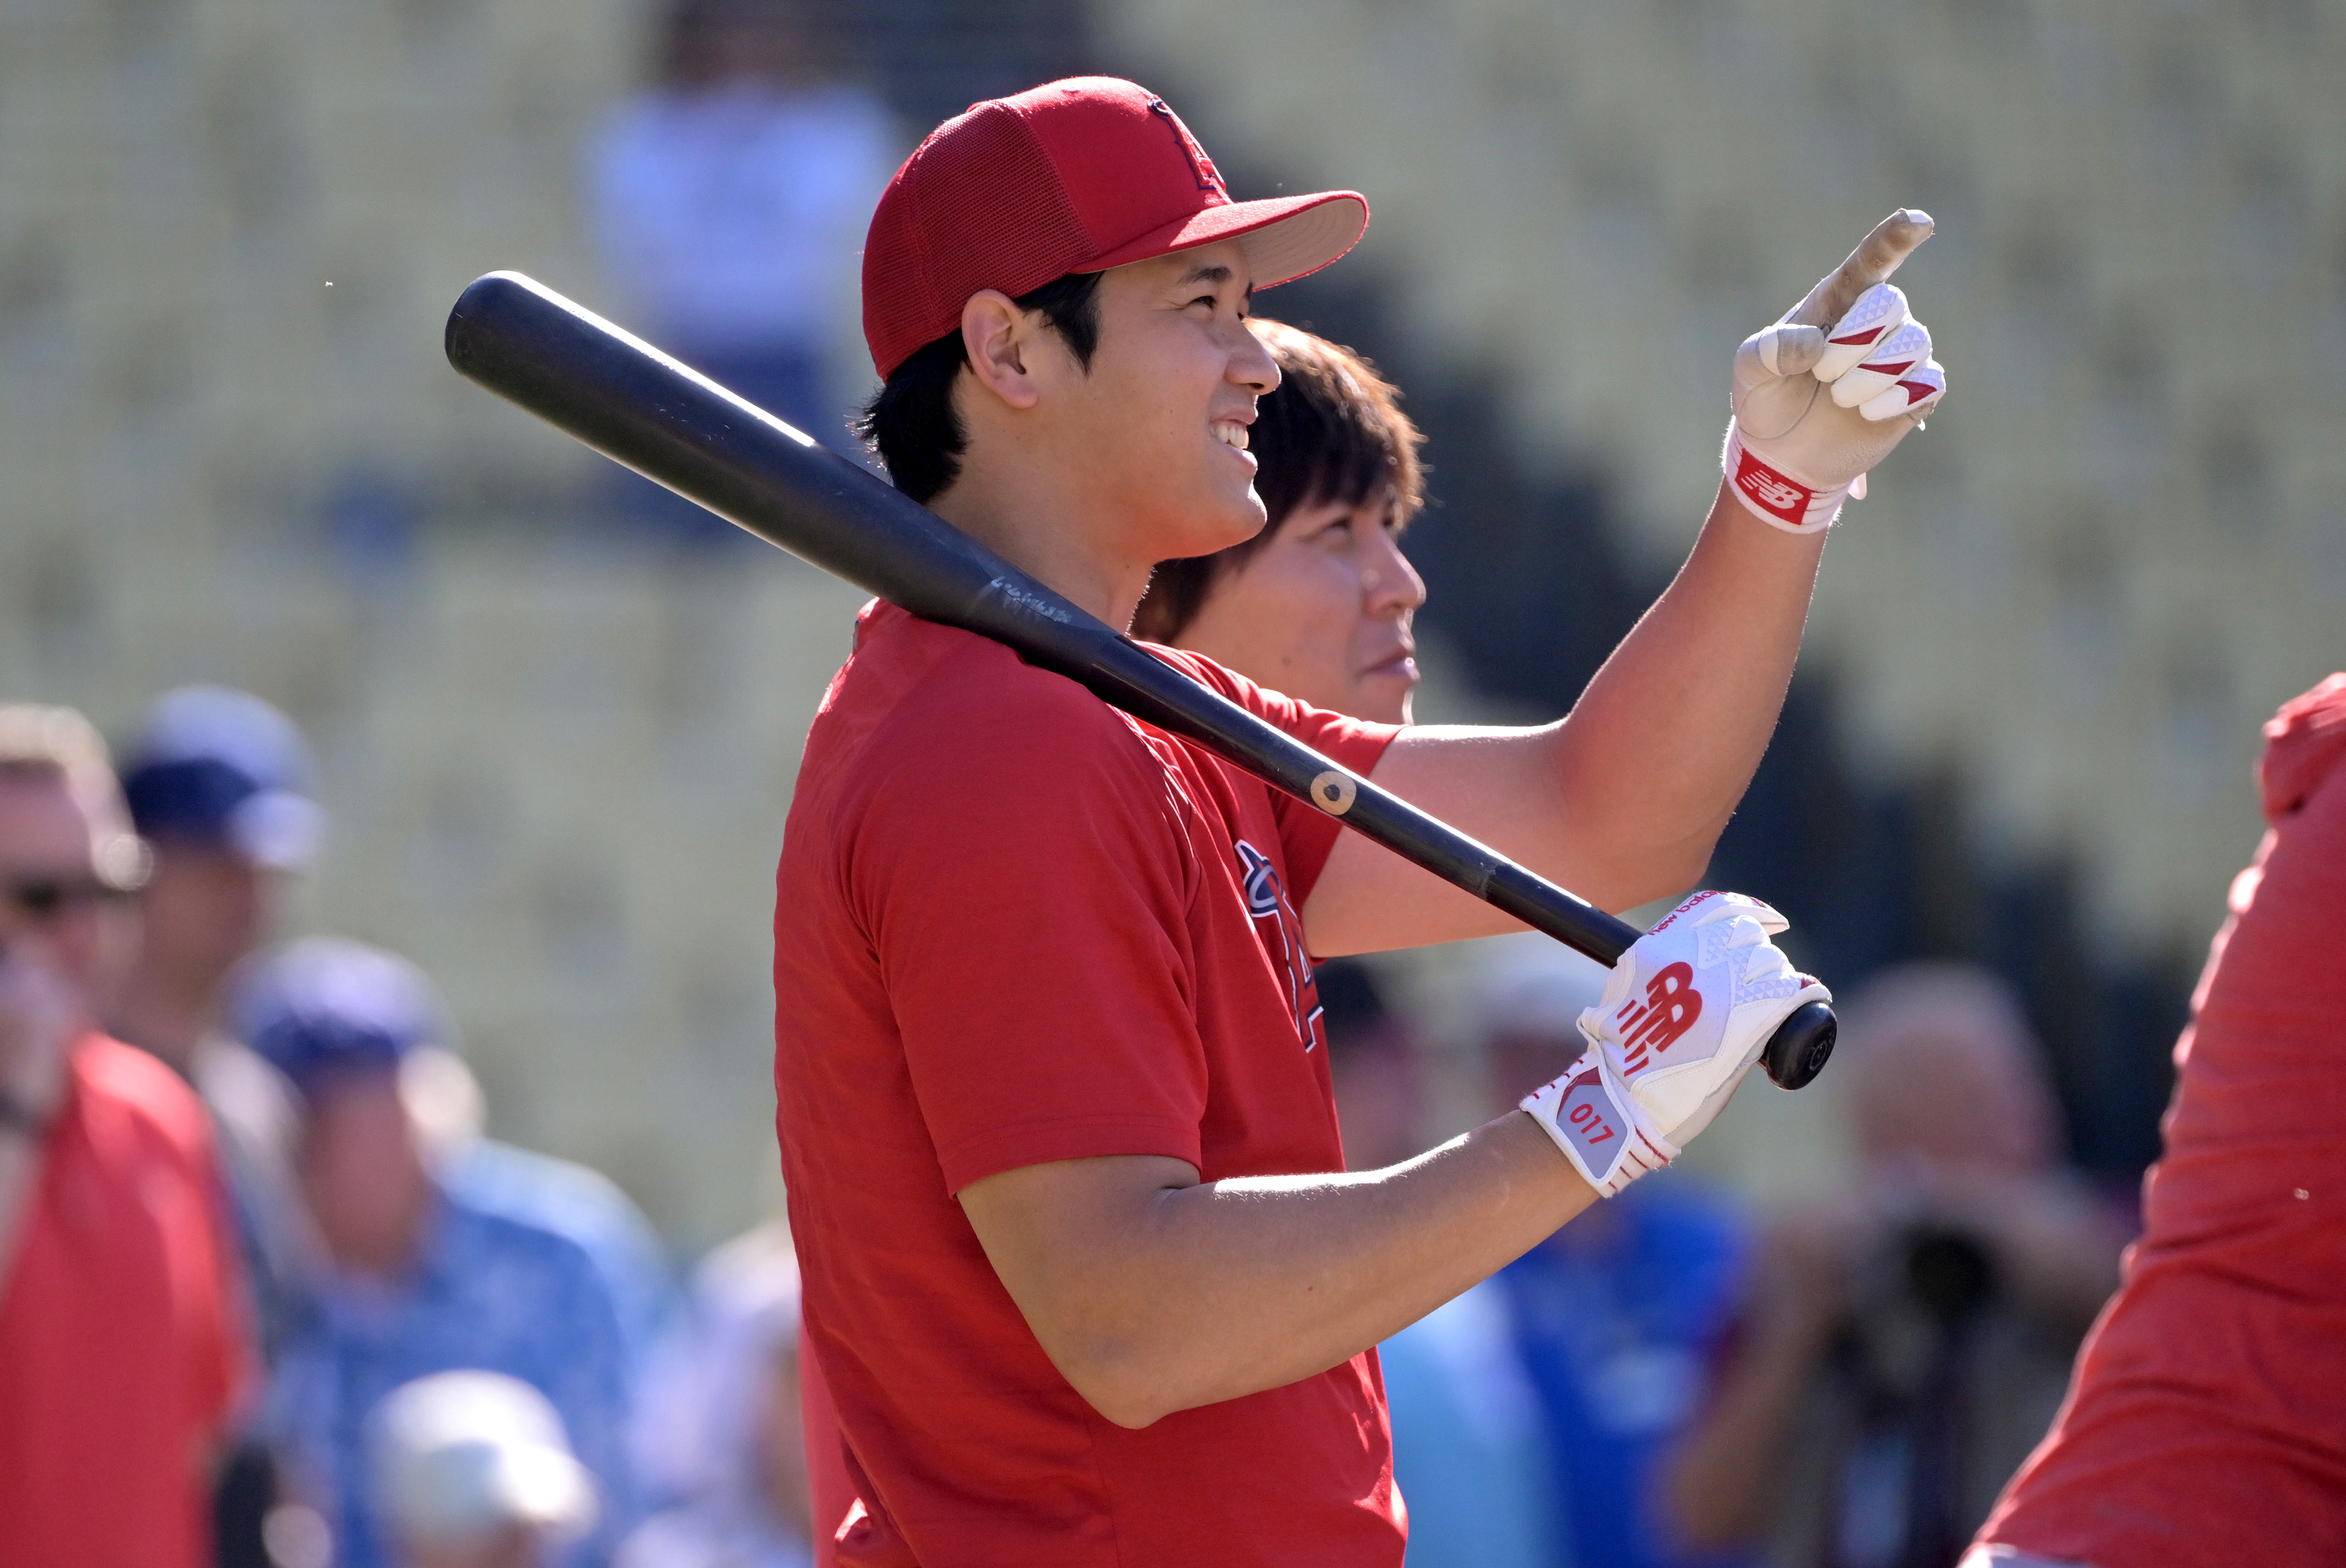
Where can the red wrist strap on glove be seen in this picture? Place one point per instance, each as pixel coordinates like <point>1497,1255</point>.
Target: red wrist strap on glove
<point>1776,497</point>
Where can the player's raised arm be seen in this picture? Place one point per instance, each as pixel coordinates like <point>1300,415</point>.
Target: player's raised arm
<point>1624,799</point>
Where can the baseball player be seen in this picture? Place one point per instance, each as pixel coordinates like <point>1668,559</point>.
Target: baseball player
<point>1082,1271</point>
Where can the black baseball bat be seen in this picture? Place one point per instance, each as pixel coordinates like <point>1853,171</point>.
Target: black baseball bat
<point>674,426</point>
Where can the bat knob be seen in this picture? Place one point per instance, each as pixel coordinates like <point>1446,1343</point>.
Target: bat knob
<point>1800,1046</point>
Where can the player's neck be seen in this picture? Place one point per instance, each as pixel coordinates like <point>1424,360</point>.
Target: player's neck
<point>1049,531</point>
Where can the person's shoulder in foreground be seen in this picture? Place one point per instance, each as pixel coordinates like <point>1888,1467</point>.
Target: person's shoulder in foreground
<point>2206,1421</point>
<point>915,695</point>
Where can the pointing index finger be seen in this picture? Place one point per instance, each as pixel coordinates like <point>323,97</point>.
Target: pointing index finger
<point>1878,255</point>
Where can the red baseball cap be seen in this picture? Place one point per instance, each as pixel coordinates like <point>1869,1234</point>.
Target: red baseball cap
<point>1075,175</point>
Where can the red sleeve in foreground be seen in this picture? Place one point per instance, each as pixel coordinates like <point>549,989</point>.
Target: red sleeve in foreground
<point>2204,1423</point>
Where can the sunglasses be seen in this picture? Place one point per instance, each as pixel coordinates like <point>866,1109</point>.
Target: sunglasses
<point>47,898</point>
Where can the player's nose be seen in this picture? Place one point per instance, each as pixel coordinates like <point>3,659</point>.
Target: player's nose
<point>1251,365</point>
<point>1387,577</point>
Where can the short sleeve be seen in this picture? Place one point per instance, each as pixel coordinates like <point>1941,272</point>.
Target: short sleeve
<point>2305,742</point>
<point>1024,880</point>
<point>1306,834</point>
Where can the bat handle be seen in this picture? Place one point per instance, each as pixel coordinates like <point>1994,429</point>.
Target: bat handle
<point>1800,1046</point>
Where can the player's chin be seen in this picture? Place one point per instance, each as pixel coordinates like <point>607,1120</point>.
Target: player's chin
<point>1229,515</point>
<point>1381,694</point>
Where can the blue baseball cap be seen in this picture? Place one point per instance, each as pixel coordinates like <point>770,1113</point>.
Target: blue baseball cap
<point>221,767</point>
<point>324,1006</point>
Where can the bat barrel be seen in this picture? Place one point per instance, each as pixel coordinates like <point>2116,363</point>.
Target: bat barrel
<point>637,406</point>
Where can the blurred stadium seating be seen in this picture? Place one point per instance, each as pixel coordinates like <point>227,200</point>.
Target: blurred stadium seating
<point>2042,648</point>
<point>2122,544</point>
<point>558,762</point>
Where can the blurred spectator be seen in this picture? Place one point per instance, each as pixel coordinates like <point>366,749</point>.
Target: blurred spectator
<point>416,1276</point>
<point>730,203</point>
<point>218,784</point>
<point>121,1350</point>
<point>1901,1353</point>
<point>472,1470</point>
<point>1469,1455</point>
<point>561,1195</point>
<point>2208,1421</point>
<point>1616,1315</point>
<point>1373,1058</point>
<point>721,1427</point>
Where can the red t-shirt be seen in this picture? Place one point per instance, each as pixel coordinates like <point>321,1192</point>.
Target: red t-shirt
<point>1016,926</point>
<point>120,1335</point>
<point>2206,1421</point>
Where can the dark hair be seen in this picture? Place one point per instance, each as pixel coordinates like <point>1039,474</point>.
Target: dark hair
<point>1332,431</point>
<point>911,422</point>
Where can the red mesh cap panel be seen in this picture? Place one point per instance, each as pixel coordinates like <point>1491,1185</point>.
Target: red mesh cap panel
<point>1127,163</point>
<point>978,206</point>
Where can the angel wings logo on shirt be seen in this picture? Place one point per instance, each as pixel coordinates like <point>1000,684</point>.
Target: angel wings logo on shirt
<point>1280,931</point>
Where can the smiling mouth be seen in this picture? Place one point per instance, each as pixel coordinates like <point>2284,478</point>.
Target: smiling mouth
<point>1230,434</point>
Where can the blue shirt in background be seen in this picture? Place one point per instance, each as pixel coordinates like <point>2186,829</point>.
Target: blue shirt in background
<point>492,1292</point>
<point>1470,1449</point>
<point>1616,1318</point>
<point>574,1201</point>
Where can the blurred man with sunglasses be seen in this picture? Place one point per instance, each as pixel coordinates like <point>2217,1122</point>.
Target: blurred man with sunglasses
<point>121,1343</point>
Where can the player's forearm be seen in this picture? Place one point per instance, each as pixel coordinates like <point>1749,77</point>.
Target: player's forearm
<point>1691,697</point>
<point>1186,1295</point>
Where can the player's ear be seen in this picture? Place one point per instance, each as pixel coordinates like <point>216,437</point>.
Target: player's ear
<point>998,336</point>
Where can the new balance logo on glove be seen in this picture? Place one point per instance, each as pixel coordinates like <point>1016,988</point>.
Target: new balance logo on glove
<point>1660,1018</point>
<point>1685,1013</point>
<point>1770,492</point>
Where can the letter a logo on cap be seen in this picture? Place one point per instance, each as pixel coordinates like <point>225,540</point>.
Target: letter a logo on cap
<point>1208,177</point>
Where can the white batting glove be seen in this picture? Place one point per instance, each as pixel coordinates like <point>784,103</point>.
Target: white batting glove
<point>1685,1013</point>
<point>1822,396</point>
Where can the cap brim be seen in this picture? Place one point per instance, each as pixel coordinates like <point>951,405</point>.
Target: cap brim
<point>1285,238</point>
